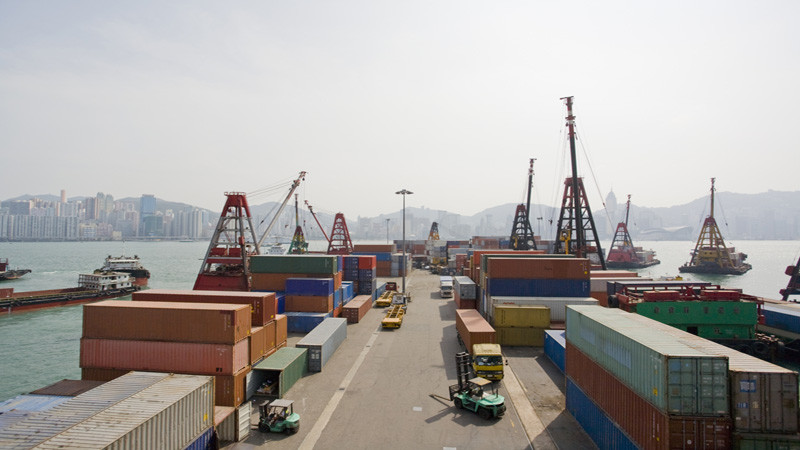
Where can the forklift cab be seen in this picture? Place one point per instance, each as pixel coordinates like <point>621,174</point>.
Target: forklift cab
<point>476,387</point>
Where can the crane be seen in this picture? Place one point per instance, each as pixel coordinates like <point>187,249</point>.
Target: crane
<point>292,188</point>
<point>522,237</point>
<point>339,242</point>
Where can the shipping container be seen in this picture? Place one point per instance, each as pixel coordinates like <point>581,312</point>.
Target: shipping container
<point>764,396</point>
<point>202,442</point>
<point>752,441</point>
<point>129,412</point>
<point>178,357</point>
<point>262,304</point>
<point>520,337</point>
<point>557,305</point>
<point>465,304</point>
<point>258,343</point>
<point>602,430</point>
<point>166,321</point>
<point>555,347</point>
<point>310,264</point>
<point>309,303</point>
<point>518,287</point>
<point>474,329</point>
<point>521,316</point>
<point>304,322</point>
<point>595,273</point>
<point>231,390</point>
<point>323,341</point>
<point>16,409</point>
<point>69,388</point>
<point>678,379</point>
<point>309,286</point>
<point>275,375</point>
<point>235,425</point>
<point>465,288</point>
<point>281,329</point>
<point>647,425</point>
<point>782,317</point>
<point>371,248</point>
<point>357,308</point>
<point>270,337</point>
<point>538,268</point>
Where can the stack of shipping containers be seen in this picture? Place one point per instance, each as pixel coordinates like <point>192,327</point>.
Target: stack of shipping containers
<point>357,308</point>
<point>465,292</point>
<point>629,382</point>
<point>383,257</point>
<point>361,270</point>
<point>521,325</point>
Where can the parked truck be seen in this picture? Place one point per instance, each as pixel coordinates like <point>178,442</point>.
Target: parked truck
<point>446,286</point>
<point>480,340</point>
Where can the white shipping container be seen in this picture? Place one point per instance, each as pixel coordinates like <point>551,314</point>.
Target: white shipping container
<point>557,305</point>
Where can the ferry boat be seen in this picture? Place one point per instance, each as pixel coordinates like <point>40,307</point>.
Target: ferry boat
<point>91,286</point>
<point>130,265</point>
<point>10,274</point>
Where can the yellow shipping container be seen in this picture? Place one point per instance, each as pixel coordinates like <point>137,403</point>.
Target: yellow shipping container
<point>520,337</point>
<point>522,316</point>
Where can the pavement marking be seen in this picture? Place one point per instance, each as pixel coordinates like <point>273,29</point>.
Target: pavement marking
<point>316,432</point>
<point>531,423</point>
<point>417,408</point>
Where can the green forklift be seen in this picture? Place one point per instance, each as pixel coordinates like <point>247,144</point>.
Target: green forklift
<point>470,394</point>
<point>278,416</point>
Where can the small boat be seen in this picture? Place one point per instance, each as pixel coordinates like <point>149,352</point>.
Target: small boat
<point>623,254</point>
<point>126,264</point>
<point>10,274</point>
<point>91,287</point>
<point>711,255</point>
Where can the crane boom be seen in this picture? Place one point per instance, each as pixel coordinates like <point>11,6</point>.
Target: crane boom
<point>311,210</point>
<point>294,186</point>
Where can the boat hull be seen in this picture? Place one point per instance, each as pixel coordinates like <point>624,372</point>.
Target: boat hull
<point>29,301</point>
<point>715,269</point>
<point>631,264</point>
<point>13,274</point>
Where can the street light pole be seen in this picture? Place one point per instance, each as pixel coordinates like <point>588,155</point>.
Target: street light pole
<point>387,231</point>
<point>404,192</point>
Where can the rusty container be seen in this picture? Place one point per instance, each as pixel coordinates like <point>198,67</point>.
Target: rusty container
<point>647,425</point>
<point>230,390</point>
<point>281,330</point>
<point>258,343</point>
<point>357,308</point>
<point>166,321</point>
<point>263,305</point>
<point>269,336</point>
<point>159,356</point>
<point>474,329</point>
<point>309,303</point>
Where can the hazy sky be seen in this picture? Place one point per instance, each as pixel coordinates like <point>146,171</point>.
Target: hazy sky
<point>449,99</point>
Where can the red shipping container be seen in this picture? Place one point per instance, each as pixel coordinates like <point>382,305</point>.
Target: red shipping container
<point>475,262</point>
<point>166,321</point>
<point>270,336</point>
<point>466,303</point>
<point>357,308</point>
<point>538,268</point>
<point>309,303</point>
<point>645,424</point>
<point>367,261</point>
<point>474,329</point>
<point>281,330</point>
<point>174,357</point>
<point>230,390</point>
<point>602,298</point>
<point>661,296</point>
<point>258,343</point>
<point>95,374</point>
<point>263,305</point>
<point>613,274</point>
<point>374,248</point>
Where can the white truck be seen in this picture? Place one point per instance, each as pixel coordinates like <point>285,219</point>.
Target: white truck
<point>446,286</point>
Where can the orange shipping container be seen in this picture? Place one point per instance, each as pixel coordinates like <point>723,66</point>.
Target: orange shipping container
<point>538,268</point>
<point>258,343</point>
<point>309,303</point>
<point>357,308</point>
<point>263,305</point>
<point>270,336</point>
<point>272,281</point>
<point>474,329</point>
<point>174,357</point>
<point>613,274</point>
<point>367,261</point>
<point>281,330</point>
<point>230,390</point>
<point>166,321</point>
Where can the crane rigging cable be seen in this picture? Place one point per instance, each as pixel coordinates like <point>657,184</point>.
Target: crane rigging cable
<point>580,139</point>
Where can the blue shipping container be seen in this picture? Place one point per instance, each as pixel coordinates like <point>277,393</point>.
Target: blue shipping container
<point>203,441</point>
<point>309,286</point>
<point>350,273</point>
<point>337,298</point>
<point>366,274</point>
<point>519,287</point>
<point>603,431</point>
<point>782,319</point>
<point>555,347</point>
<point>348,291</point>
<point>304,322</point>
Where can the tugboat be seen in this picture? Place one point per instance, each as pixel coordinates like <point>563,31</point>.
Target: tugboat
<point>6,274</point>
<point>129,265</point>
<point>623,255</point>
<point>710,255</point>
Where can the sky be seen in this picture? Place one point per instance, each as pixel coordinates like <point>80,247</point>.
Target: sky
<point>188,100</point>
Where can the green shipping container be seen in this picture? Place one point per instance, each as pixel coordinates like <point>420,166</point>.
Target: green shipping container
<point>285,366</point>
<point>316,264</point>
<point>710,320</point>
<point>748,441</point>
<point>673,376</point>
<point>521,316</point>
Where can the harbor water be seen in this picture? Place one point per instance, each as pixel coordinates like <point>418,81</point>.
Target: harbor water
<point>41,347</point>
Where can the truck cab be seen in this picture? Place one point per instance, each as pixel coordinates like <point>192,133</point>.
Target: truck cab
<point>487,361</point>
<point>446,286</point>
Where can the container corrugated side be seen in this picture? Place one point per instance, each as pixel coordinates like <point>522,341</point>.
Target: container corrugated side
<point>557,305</point>
<point>309,286</point>
<point>764,396</point>
<point>178,357</point>
<point>465,287</point>
<point>182,404</point>
<point>281,329</point>
<point>520,287</point>
<point>315,264</point>
<point>555,344</point>
<point>520,337</point>
<point>755,441</point>
<point>647,425</point>
<point>678,379</point>
<point>323,341</point>
<point>521,316</point>
<point>263,305</point>
<point>60,418</point>
<point>357,308</point>
<point>474,329</point>
<point>602,430</point>
<point>287,365</point>
<point>538,268</point>
<point>303,322</point>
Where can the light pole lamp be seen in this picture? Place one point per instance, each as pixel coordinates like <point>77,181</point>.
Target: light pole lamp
<point>404,192</point>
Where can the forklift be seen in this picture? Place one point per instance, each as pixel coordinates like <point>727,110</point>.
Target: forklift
<point>278,416</point>
<point>470,393</point>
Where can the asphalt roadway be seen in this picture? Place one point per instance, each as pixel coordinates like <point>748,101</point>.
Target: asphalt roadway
<point>375,391</point>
